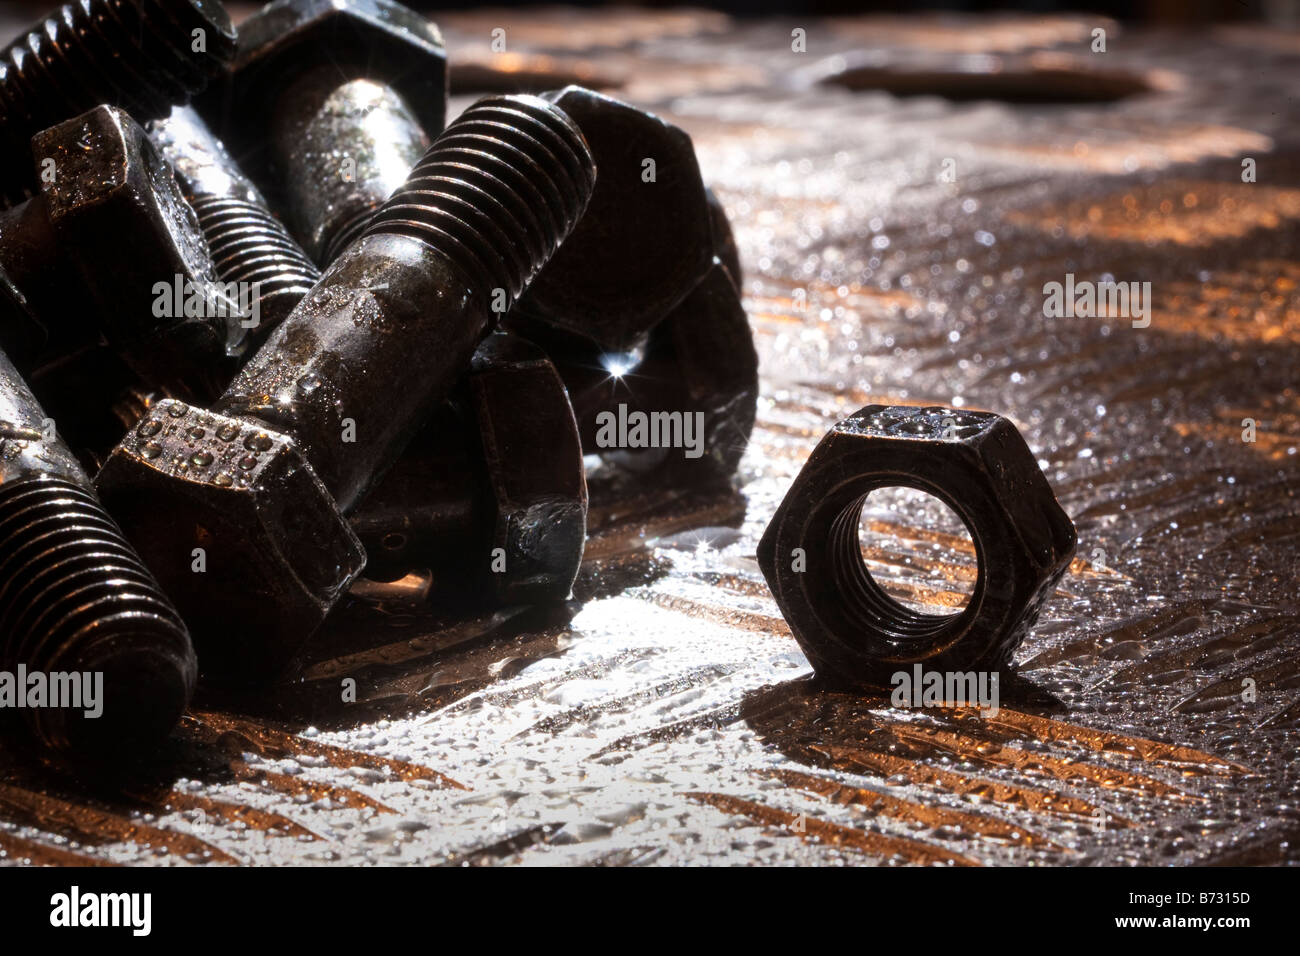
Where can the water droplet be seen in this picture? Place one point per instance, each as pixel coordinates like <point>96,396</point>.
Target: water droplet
<point>151,450</point>
<point>247,462</point>
<point>228,432</point>
<point>223,480</point>
<point>196,432</point>
<point>150,428</point>
<point>176,411</point>
<point>202,458</point>
<point>258,442</point>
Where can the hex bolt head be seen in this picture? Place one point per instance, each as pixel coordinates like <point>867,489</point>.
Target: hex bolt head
<point>376,40</point>
<point>357,90</point>
<point>529,439</point>
<point>699,362</point>
<point>118,211</point>
<point>273,551</point>
<point>645,241</point>
<point>75,598</point>
<point>976,463</point>
<point>334,394</point>
<point>107,241</point>
<point>141,55</point>
<point>491,494</point>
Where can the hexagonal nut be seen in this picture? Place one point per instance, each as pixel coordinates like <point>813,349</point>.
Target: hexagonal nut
<point>645,240</point>
<point>537,509</point>
<point>358,39</point>
<point>239,531</point>
<point>977,464</point>
<point>699,364</point>
<point>117,211</point>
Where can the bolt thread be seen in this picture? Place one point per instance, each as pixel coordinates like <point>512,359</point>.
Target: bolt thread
<point>249,245</point>
<point>347,234</point>
<point>75,598</point>
<point>865,602</point>
<point>497,192</point>
<point>135,54</point>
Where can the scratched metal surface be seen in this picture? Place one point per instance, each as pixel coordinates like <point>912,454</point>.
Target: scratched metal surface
<point>671,719</point>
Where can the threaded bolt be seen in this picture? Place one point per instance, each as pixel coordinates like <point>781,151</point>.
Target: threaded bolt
<point>322,124</point>
<point>329,105</point>
<point>266,271</point>
<point>479,215</point>
<point>140,55</point>
<point>330,400</point>
<point>76,599</point>
<point>497,192</point>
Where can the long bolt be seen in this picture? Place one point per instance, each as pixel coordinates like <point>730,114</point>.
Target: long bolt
<point>391,326</point>
<point>75,599</point>
<point>261,483</point>
<point>344,150</point>
<point>266,271</point>
<point>141,55</point>
<point>328,106</point>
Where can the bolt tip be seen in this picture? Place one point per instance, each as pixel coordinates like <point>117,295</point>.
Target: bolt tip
<point>139,691</point>
<point>78,606</point>
<point>497,192</point>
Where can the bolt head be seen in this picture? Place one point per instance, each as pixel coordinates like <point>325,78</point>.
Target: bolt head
<point>377,40</point>
<point>537,505</point>
<point>275,551</point>
<point>641,246</point>
<point>117,211</point>
<point>700,359</point>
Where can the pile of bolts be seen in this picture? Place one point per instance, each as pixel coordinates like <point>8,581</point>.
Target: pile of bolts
<point>297,326</point>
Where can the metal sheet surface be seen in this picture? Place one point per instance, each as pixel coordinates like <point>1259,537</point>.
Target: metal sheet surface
<point>896,247</point>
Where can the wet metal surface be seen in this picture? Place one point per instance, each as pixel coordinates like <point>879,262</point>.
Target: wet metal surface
<point>671,718</point>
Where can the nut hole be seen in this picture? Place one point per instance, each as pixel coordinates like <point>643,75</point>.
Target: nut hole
<point>926,575</point>
<point>931,569</point>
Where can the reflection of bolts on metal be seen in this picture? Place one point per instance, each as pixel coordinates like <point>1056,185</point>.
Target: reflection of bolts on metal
<point>76,599</point>
<point>264,479</point>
